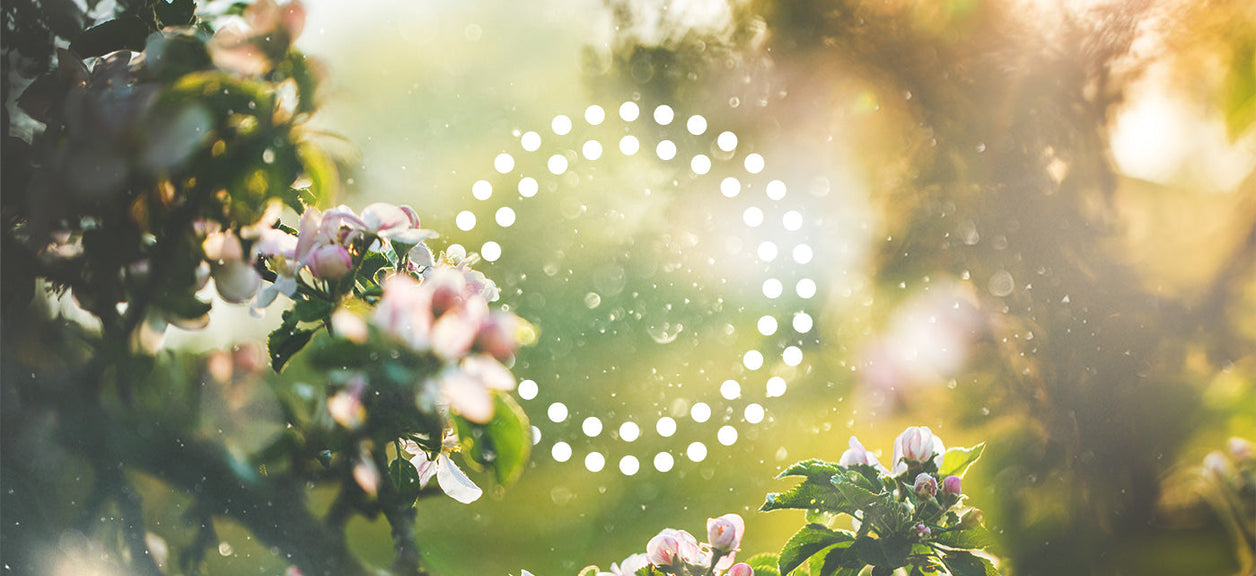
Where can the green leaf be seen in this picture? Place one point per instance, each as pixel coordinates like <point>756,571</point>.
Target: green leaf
<point>766,564</point>
<point>965,564</point>
<point>174,12</point>
<point>957,460</point>
<point>808,541</point>
<point>855,495</point>
<point>296,66</point>
<point>406,478</point>
<point>975,537</point>
<point>122,33</point>
<point>836,560</point>
<point>372,263</point>
<point>890,552</point>
<point>509,438</point>
<point>816,469</point>
<point>285,341</point>
<point>313,310</point>
<point>810,495</point>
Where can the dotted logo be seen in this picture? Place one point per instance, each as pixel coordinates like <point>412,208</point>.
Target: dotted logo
<point>697,212</point>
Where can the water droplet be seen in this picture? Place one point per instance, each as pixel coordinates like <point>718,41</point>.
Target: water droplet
<point>1001,283</point>
<point>665,333</point>
<point>592,300</point>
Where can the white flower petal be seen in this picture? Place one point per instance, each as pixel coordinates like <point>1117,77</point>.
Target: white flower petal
<point>456,484</point>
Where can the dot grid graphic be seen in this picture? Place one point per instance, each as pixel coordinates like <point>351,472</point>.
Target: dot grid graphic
<point>758,228</point>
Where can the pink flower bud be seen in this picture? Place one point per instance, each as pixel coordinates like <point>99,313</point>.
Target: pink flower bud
<point>916,445</point>
<point>857,454</point>
<point>951,486</point>
<point>672,547</point>
<point>724,533</point>
<point>923,531</point>
<point>925,486</point>
<point>330,262</point>
<point>741,569</point>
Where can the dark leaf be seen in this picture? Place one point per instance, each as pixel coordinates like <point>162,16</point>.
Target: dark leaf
<point>123,33</point>
<point>808,541</point>
<point>855,495</point>
<point>975,537</point>
<point>406,478</point>
<point>285,341</point>
<point>765,564</point>
<point>836,560</point>
<point>810,495</point>
<point>174,12</point>
<point>890,552</point>
<point>818,469</point>
<point>965,564</point>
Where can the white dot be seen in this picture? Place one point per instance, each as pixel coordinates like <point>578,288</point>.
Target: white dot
<point>752,359</point>
<point>629,465</point>
<point>557,164</point>
<point>561,125</point>
<point>629,145</point>
<point>700,164</point>
<point>528,187</point>
<point>591,426</point>
<point>594,462</point>
<point>629,111</point>
<point>482,190</point>
<point>696,452</point>
<point>727,141</point>
<point>696,125</point>
<point>528,389</point>
<point>730,390</point>
<point>772,288</point>
<point>666,427</point>
<point>753,216</point>
<point>700,412</point>
<point>628,431</point>
<point>727,435</point>
<point>776,190</point>
<point>754,413</point>
<point>594,114</point>
<point>666,150</point>
<point>776,386</point>
<point>730,187</point>
<point>592,149</point>
<point>504,163</point>
<point>561,452</point>
<point>557,412</point>
<point>792,356</point>
<point>802,254</point>
<point>531,141</point>
<point>754,163</point>
<point>505,216</point>
<point>792,220</point>
<point>465,220</point>
<point>767,325</point>
<point>802,323</point>
<point>806,288</point>
<point>663,462</point>
<point>491,251</point>
<point>767,251</point>
<point>536,435</point>
<point>664,115</point>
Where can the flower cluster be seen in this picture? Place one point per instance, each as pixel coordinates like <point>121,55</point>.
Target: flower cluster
<point>907,516</point>
<point>678,552</point>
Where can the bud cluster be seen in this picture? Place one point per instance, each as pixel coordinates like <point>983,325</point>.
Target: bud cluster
<point>678,552</point>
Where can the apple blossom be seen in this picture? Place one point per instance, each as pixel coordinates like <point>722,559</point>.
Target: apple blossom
<point>951,486</point>
<point>673,547</point>
<point>724,533</point>
<point>925,485</point>
<point>740,569</point>
<point>451,479</point>
<point>916,444</point>
<point>923,531</point>
<point>857,454</point>
<point>330,262</point>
